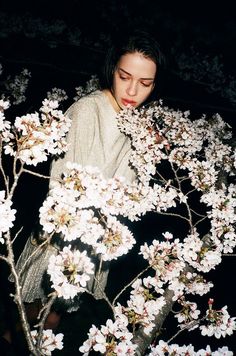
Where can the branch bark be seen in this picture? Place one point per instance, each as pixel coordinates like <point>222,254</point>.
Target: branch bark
<point>142,340</point>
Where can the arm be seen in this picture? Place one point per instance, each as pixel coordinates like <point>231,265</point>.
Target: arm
<point>84,115</point>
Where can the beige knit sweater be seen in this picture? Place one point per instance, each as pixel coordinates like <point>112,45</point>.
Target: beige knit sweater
<point>94,139</point>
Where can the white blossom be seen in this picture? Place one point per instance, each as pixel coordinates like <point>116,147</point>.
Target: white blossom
<point>162,256</point>
<point>113,337</point>
<point>50,342</point>
<point>142,307</point>
<point>57,94</point>
<point>91,85</point>
<point>7,215</point>
<point>116,241</point>
<point>17,86</point>
<point>218,322</point>
<point>4,104</point>
<point>188,312</point>
<point>164,349</point>
<point>35,136</point>
<point>69,272</point>
<point>201,256</point>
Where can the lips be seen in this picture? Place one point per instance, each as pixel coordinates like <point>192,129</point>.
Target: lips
<point>128,102</point>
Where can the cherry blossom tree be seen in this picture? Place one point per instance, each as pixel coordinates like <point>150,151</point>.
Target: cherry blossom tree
<point>83,206</point>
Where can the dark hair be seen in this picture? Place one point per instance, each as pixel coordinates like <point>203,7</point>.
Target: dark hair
<point>134,41</point>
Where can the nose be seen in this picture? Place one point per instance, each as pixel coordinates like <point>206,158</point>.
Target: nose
<point>132,88</point>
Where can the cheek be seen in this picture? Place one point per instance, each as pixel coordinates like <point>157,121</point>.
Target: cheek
<point>147,93</point>
<point>116,85</point>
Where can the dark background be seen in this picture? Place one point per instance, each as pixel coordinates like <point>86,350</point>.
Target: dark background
<point>63,44</point>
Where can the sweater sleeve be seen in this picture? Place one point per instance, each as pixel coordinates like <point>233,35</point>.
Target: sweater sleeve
<point>84,116</point>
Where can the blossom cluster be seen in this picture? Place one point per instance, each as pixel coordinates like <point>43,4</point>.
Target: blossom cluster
<point>190,283</point>
<point>198,254</point>
<point>70,211</point>
<point>46,30</point>
<point>166,258</point>
<point>218,322</point>
<point>35,136</point>
<point>57,94</point>
<point>142,307</point>
<point>200,67</point>
<point>69,272</point>
<point>111,339</point>
<point>85,206</point>
<point>50,342</point>
<point>160,133</point>
<point>148,143</point>
<point>4,104</point>
<point>91,85</point>
<point>162,257</point>
<point>188,312</point>
<point>5,125</point>
<point>7,215</point>
<point>165,349</point>
<point>222,216</point>
<point>17,86</point>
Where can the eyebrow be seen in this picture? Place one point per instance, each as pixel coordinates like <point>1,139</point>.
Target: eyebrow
<point>131,74</point>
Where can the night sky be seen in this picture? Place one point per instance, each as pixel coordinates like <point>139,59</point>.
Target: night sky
<point>208,27</point>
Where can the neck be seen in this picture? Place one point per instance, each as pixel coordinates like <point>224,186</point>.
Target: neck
<point>112,100</point>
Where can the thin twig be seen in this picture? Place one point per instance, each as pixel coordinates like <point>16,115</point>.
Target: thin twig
<point>191,191</point>
<point>173,214</point>
<point>104,296</point>
<point>161,176</point>
<point>198,214</point>
<point>5,179</point>
<point>176,176</point>
<point>4,258</point>
<point>36,174</point>
<point>186,327</point>
<point>129,284</point>
<point>18,297</point>
<point>44,312</point>
<point>17,234</point>
<point>16,178</point>
<point>100,267</point>
<point>199,221</point>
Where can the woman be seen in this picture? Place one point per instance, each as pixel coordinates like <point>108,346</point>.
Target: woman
<point>129,77</point>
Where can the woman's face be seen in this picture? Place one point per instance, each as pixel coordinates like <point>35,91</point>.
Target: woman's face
<point>133,79</point>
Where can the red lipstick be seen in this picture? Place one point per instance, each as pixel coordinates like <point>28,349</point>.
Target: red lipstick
<point>128,102</point>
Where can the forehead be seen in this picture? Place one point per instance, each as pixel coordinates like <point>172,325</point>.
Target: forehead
<point>137,65</point>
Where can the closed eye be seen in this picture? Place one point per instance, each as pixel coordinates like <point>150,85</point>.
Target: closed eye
<point>146,84</point>
<point>123,77</point>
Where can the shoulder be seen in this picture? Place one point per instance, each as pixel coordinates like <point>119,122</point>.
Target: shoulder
<point>87,104</point>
